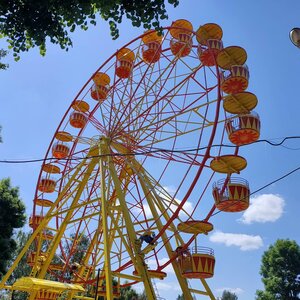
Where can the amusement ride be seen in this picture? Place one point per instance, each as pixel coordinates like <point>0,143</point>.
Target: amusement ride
<point>136,168</point>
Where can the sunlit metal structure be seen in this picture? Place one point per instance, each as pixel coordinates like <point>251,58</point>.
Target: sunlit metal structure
<point>119,193</point>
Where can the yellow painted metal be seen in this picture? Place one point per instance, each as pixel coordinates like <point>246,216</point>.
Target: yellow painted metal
<point>209,31</point>
<point>139,259</point>
<point>101,79</point>
<point>230,56</point>
<point>240,103</point>
<point>103,150</point>
<point>154,200</point>
<point>179,27</point>
<point>126,54</point>
<point>80,105</point>
<point>50,168</point>
<point>148,191</point>
<point>152,36</point>
<point>43,202</point>
<point>64,136</point>
<point>126,276</point>
<point>53,246</point>
<point>118,229</point>
<point>195,227</point>
<point>85,260</point>
<point>83,298</point>
<point>199,292</point>
<point>37,264</point>
<point>30,284</point>
<point>208,290</point>
<point>39,229</point>
<point>55,242</point>
<point>228,164</point>
<point>57,238</point>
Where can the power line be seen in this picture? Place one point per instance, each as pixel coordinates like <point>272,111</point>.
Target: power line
<point>155,150</point>
<point>265,186</point>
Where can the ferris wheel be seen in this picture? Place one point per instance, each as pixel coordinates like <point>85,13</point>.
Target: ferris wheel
<point>136,169</point>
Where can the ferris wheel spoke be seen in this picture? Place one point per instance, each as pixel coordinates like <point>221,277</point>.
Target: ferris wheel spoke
<point>146,92</point>
<point>156,124</point>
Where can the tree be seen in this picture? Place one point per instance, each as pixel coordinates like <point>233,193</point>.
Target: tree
<point>22,269</point>
<point>128,293</point>
<point>180,297</point>
<point>280,271</point>
<point>27,23</point>
<point>12,215</point>
<point>227,295</point>
<point>3,66</point>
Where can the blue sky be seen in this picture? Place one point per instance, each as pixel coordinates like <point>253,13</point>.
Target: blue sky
<point>36,92</point>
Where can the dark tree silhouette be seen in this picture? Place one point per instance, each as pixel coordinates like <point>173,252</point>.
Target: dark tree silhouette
<point>26,24</point>
<point>12,215</point>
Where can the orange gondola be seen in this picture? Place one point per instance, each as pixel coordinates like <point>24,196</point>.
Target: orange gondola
<point>181,43</point>
<point>210,44</point>
<point>60,150</point>
<point>232,196</point>
<point>47,185</point>
<point>78,119</point>
<point>236,81</point>
<point>100,88</point>
<point>124,65</point>
<point>35,221</point>
<point>47,295</point>
<point>243,129</point>
<point>207,55</point>
<point>198,264</point>
<point>151,49</point>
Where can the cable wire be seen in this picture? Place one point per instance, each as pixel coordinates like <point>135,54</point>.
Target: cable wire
<point>155,150</point>
<point>265,186</point>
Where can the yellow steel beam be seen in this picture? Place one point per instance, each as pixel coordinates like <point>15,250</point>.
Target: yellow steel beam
<point>147,188</point>
<point>208,290</point>
<point>127,276</point>
<point>53,246</point>
<point>156,200</point>
<point>67,218</point>
<point>42,226</point>
<point>107,267</point>
<point>139,260</point>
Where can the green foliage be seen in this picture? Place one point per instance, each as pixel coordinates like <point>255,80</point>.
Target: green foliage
<point>81,248</point>
<point>3,66</point>
<point>280,271</point>
<point>180,297</point>
<point>128,293</point>
<point>23,269</point>
<point>227,295</point>
<point>12,215</point>
<point>26,24</point>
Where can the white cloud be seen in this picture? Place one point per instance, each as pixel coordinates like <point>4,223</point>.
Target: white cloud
<point>236,291</point>
<point>244,241</point>
<point>152,263</point>
<point>188,207</point>
<point>170,286</point>
<point>170,189</point>
<point>264,208</point>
